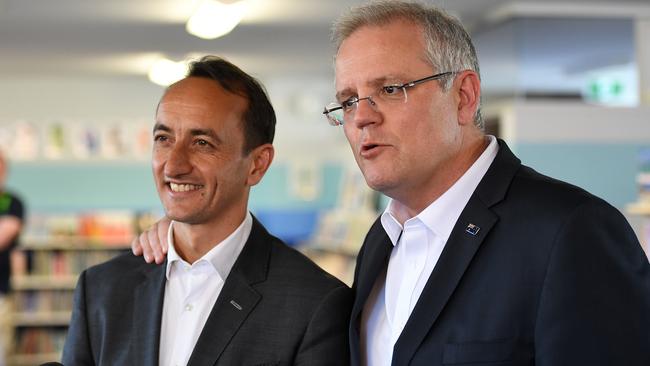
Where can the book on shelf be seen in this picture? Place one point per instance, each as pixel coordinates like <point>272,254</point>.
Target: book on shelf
<point>52,253</point>
<point>87,229</point>
<point>66,263</point>
<point>47,301</point>
<point>30,341</point>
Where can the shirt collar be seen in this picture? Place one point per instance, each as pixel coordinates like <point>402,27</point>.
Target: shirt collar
<point>441,215</point>
<point>222,256</point>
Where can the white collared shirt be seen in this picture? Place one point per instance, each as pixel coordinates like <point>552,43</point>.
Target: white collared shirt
<point>417,247</point>
<point>191,291</point>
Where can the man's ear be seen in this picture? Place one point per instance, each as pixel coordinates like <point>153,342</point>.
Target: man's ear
<point>261,158</point>
<point>468,87</point>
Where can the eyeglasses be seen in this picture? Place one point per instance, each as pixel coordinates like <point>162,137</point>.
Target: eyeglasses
<point>338,113</point>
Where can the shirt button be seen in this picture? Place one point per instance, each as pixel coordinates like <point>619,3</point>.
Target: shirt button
<point>188,307</point>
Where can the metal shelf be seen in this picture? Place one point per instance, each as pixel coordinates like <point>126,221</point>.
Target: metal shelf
<point>33,359</point>
<point>59,318</point>
<point>71,243</point>
<point>639,208</point>
<point>44,282</point>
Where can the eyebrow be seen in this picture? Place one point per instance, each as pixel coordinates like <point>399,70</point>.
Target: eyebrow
<point>160,127</point>
<point>206,132</point>
<point>194,132</point>
<point>380,81</point>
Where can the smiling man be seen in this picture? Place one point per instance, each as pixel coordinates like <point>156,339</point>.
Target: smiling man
<point>229,292</point>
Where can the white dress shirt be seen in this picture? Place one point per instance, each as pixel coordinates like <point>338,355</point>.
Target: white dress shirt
<point>191,291</point>
<point>417,247</point>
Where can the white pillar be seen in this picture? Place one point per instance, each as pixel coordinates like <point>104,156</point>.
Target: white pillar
<point>642,35</point>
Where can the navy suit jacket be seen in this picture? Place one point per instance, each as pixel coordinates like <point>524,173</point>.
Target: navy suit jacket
<point>290,312</point>
<point>554,277</point>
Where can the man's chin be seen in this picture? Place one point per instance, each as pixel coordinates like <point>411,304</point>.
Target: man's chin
<point>377,182</point>
<point>185,218</point>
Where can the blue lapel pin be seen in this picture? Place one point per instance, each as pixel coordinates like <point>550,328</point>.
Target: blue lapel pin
<point>472,229</point>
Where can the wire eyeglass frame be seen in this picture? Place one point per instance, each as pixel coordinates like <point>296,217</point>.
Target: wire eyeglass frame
<point>336,112</point>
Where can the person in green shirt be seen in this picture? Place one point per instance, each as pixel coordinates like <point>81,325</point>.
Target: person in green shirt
<point>11,223</point>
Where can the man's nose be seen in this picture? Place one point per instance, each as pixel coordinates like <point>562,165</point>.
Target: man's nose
<point>178,161</point>
<point>366,112</point>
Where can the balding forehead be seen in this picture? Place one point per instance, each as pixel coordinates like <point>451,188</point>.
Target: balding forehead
<point>196,91</point>
<point>193,84</point>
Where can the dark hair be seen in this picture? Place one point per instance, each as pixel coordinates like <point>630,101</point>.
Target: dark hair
<point>259,117</point>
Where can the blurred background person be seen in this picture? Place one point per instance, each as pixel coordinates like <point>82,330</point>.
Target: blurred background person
<point>11,222</point>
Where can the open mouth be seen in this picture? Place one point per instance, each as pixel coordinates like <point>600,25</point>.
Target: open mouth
<point>175,187</point>
<point>368,147</point>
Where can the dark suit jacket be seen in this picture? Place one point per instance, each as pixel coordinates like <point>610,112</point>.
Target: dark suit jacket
<point>292,312</point>
<point>553,277</point>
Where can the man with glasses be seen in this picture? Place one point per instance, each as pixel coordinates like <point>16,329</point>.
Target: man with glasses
<point>477,259</point>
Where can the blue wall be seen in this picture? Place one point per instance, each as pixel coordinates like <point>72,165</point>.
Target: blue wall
<point>59,187</point>
<point>78,186</point>
<point>607,170</point>
<point>73,186</point>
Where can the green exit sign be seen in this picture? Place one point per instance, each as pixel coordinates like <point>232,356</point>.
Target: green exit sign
<point>612,87</point>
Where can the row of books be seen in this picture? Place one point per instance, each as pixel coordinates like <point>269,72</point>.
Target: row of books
<point>100,228</point>
<point>40,340</point>
<point>643,183</point>
<point>643,176</point>
<point>43,301</point>
<point>66,263</point>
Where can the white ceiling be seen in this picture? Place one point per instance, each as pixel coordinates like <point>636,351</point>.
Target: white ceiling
<point>278,37</point>
<point>86,60</point>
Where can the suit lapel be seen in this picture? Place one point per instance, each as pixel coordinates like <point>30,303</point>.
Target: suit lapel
<point>147,315</point>
<point>458,253</point>
<point>377,248</point>
<point>446,275</point>
<point>375,258</point>
<point>237,299</point>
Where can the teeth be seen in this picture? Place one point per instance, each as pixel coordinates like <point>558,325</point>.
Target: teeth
<point>182,187</point>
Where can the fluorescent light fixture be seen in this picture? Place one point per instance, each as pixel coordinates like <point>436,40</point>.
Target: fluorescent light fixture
<point>165,72</point>
<point>214,18</point>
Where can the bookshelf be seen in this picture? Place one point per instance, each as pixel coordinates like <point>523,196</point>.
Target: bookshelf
<point>341,230</point>
<point>640,210</point>
<point>43,282</point>
<point>53,251</point>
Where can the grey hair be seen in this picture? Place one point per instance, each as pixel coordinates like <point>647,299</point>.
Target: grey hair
<point>448,45</point>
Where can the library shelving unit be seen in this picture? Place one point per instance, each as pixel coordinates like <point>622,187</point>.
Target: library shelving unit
<point>337,240</point>
<point>341,230</point>
<point>641,209</point>
<point>45,275</point>
<point>53,251</point>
